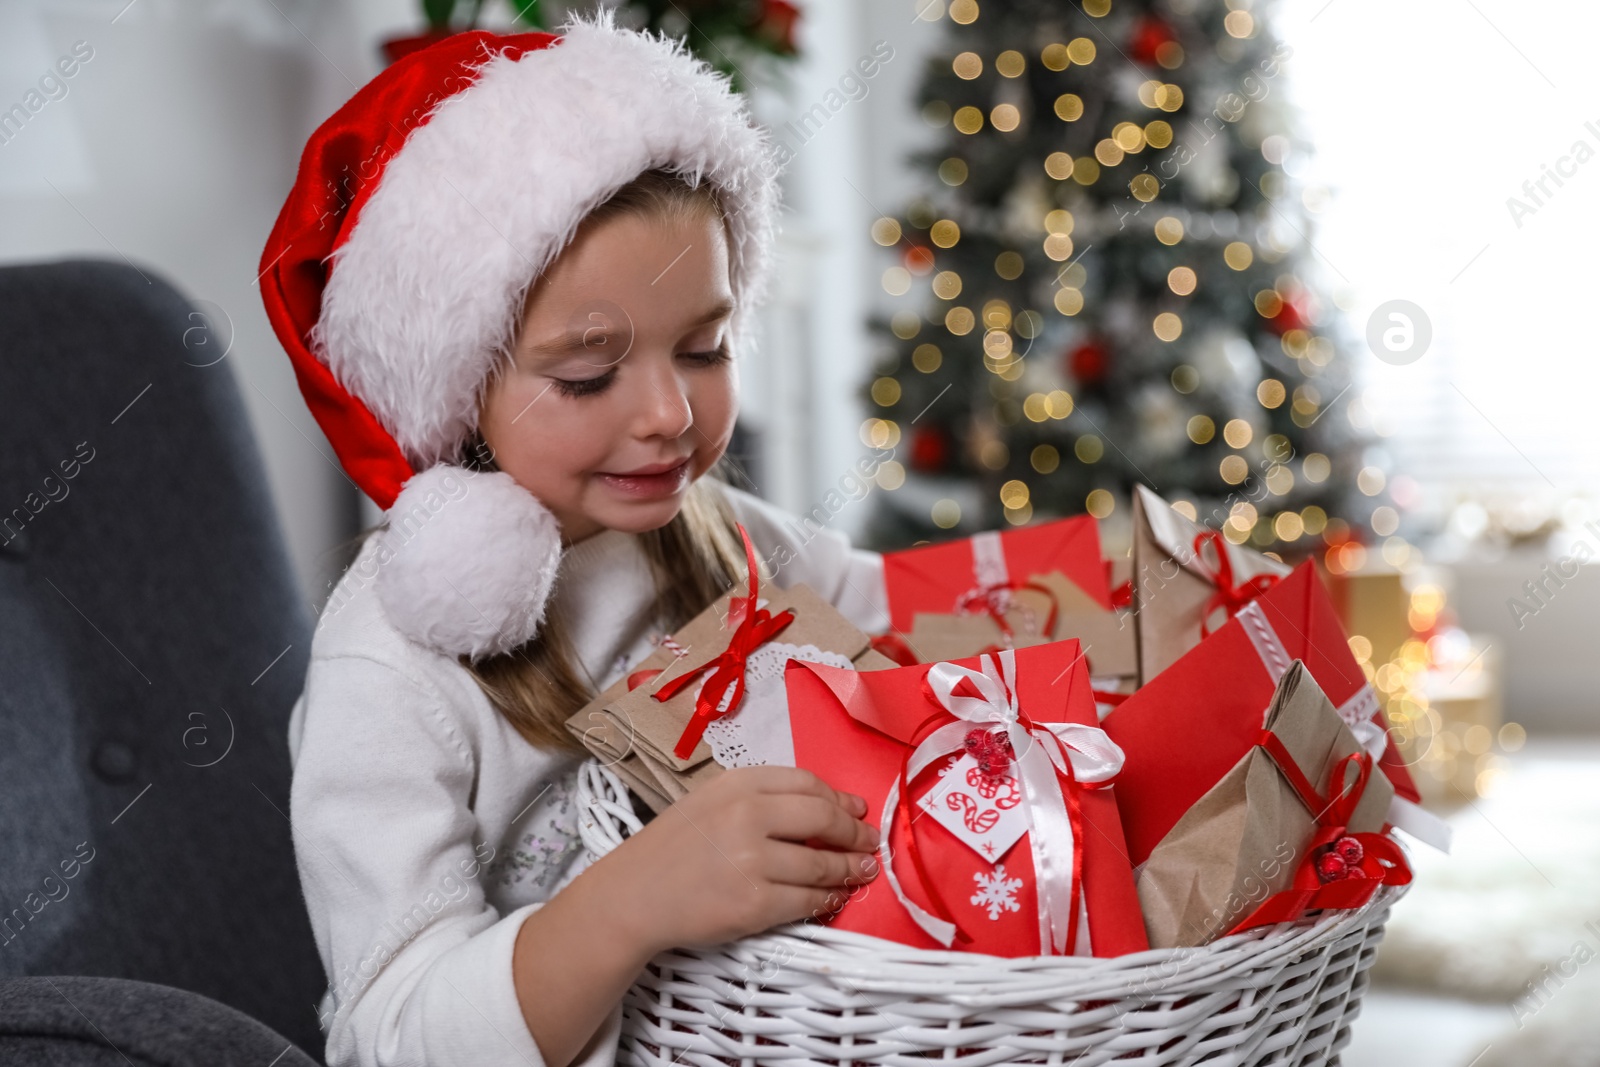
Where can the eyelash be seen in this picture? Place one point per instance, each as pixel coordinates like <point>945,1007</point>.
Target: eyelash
<point>595,386</point>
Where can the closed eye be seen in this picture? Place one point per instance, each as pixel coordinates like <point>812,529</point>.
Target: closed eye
<point>717,355</point>
<point>580,387</point>
<point>585,386</point>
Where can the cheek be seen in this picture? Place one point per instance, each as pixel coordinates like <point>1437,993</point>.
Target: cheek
<point>716,403</point>
<point>534,435</point>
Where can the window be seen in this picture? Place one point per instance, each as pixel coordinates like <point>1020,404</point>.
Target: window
<point>1457,153</point>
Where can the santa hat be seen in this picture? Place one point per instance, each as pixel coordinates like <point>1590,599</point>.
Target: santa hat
<point>396,273</point>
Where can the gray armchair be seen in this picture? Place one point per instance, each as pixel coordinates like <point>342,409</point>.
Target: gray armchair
<point>151,647</point>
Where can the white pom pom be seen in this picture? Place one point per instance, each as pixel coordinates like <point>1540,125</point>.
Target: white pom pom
<point>467,561</point>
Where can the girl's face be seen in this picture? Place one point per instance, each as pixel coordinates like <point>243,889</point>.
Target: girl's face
<point>622,389</point>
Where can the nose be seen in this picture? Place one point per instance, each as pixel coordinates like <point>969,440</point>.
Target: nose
<point>664,406</point>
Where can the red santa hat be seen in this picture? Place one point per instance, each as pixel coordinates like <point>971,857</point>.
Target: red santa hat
<point>396,273</point>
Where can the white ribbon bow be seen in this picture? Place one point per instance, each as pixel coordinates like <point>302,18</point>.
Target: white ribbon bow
<point>1079,752</point>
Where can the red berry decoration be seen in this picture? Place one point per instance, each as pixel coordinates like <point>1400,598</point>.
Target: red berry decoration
<point>918,259</point>
<point>994,764</point>
<point>991,749</point>
<point>1330,868</point>
<point>1087,363</point>
<point>1349,850</point>
<point>1291,316</point>
<point>1149,34</point>
<point>930,449</point>
<point>775,25</point>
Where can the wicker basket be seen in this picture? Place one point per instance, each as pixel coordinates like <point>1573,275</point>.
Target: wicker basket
<point>809,994</point>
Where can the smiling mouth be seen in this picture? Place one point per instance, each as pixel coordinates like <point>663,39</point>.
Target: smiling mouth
<point>647,486</point>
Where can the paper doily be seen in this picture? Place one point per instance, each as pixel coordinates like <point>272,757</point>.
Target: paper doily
<point>757,732</point>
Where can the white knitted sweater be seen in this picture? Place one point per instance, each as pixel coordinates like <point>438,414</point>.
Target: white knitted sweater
<point>426,829</point>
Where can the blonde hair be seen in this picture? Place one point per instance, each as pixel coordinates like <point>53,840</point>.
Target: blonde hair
<point>694,558</point>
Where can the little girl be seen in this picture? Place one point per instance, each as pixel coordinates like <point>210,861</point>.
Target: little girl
<point>513,276</point>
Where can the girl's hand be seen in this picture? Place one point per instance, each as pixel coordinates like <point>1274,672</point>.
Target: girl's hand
<point>731,858</point>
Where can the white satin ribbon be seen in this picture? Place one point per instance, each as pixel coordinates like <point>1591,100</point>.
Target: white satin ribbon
<point>1082,753</point>
<point>990,576</point>
<point>1359,712</point>
<point>989,559</point>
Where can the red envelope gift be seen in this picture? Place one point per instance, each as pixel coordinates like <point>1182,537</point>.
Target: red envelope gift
<point>969,574</point>
<point>1188,726</point>
<point>980,773</point>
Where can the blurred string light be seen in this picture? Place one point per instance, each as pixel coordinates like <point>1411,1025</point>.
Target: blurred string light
<point>1435,673</point>
<point>1000,339</point>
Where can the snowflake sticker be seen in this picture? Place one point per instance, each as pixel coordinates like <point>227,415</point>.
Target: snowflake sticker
<point>997,892</point>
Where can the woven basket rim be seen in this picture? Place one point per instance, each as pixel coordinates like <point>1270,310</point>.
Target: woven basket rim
<point>872,962</point>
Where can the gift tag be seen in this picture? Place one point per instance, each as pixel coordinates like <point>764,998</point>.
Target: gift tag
<point>984,811</point>
<point>758,733</point>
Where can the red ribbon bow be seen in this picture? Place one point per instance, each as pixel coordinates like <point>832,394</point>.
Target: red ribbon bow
<point>756,627</point>
<point>1229,596</point>
<point>1063,770</point>
<point>1378,861</point>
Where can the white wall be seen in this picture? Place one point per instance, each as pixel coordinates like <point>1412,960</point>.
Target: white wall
<point>803,390</point>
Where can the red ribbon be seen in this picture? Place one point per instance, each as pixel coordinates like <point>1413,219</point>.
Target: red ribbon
<point>994,605</point>
<point>1382,862</point>
<point>1122,595</point>
<point>1074,816</point>
<point>895,647</point>
<point>756,626</point>
<point>1229,596</point>
<point>903,809</point>
<point>641,676</point>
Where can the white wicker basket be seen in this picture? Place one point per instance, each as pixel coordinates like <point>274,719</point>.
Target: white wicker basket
<point>808,994</point>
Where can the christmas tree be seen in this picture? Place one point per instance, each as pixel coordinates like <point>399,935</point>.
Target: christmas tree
<point>1110,280</point>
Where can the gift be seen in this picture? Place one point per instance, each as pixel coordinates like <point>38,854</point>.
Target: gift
<point>1374,603</point>
<point>1107,636</point>
<point>977,574</point>
<point>712,696</point>
<point>1046,607</point>
<point>989,782</point>
<point>1244,842</point>
<point>1209,706</point>
<point>1187,580</point>
<point>1020,615</point>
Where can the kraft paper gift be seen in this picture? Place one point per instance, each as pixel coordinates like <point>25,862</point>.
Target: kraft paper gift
<point>712,696</point>
<point>1209,706</point>
<point>1187,581</point>
<point>1243,840</point>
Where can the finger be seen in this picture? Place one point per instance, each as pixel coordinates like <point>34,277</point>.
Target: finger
<point>790,864</point>
<point>798,780</point>
<point>803,818</point>
<point>793,902</point>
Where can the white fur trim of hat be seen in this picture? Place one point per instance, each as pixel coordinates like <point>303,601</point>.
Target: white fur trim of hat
<point>425,284</point>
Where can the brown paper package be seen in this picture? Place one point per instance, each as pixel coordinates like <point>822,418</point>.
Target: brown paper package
<point>1242,841</point>
<point>635,734</point>
<point>1106,636</point>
